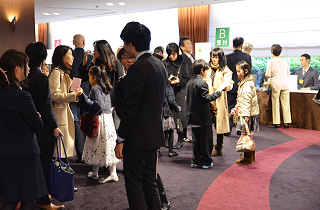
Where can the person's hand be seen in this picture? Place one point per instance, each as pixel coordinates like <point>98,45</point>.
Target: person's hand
<point>304,89</point>
<point>39,114</point>
<point>85,58</point>
<point>246,119</point>
<point>265,83</point>
<point>57,132</point>
<point>179,109</point>
<point>118,151</point>
<point>79,91</point>
<point>233,111</point>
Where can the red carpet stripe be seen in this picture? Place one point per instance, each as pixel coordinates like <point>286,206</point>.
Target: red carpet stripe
<point>247,186</point>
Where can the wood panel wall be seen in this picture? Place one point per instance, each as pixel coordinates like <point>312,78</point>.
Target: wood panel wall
<point>25,27</point>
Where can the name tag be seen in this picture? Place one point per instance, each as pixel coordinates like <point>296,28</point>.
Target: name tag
<point>301,81</point>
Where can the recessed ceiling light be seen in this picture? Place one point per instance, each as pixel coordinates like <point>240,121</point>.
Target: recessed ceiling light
<point>122,3</point>
<point>109,4</point>
<point>46,13</point>
<point>55,13</point>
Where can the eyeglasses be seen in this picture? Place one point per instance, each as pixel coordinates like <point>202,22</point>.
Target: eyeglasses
<point>125,58</point>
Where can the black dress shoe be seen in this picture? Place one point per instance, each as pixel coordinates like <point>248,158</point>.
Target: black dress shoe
<point>165,206</point>
<point>277,126</point>
<point>173,154</point>
<point>286,126</point>
<point>227,134</point>
<point>178,145</point>
<point>239,133</point>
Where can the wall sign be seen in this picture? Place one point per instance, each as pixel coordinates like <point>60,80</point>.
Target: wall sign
<point>222,37</point>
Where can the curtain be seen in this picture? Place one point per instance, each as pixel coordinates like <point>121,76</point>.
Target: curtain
<point>42,33</point>
<point>194,22</point>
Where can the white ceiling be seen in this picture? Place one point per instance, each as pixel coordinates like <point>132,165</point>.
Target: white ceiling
<point>77,9</point>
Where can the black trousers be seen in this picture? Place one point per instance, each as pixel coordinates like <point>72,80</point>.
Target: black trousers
<point>80,139</point>
<point>202,145</point>
<point>232,100</point>
<point>45,158</point>
<point>139,174</point>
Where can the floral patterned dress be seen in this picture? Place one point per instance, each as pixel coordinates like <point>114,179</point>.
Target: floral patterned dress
<point>99,151</point>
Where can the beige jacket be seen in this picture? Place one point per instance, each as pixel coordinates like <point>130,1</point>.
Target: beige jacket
<point>60,84</point>
<point>247,100</point>
<point>278,72</point>
<point>222,78</point>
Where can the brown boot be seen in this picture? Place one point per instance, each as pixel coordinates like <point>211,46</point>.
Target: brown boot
<point>246,159</point>
<point>217,151</point>
<point>253,155</point>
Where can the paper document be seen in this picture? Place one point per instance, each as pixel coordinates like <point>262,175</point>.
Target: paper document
<point>76,82</point>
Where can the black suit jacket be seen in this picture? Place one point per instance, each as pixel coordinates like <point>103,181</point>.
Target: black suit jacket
<point>310,79</point>
<point>18,122</point>
<point>198,98</point>
<point>142,108</point>
<point>38,87</point>
<point>188,61</point>
<point>232,59</point>
<point>78,60</point>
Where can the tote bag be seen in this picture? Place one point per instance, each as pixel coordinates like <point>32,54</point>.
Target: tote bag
<point>61,183</point>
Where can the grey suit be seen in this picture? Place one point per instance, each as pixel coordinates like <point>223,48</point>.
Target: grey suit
<point>310,79</point>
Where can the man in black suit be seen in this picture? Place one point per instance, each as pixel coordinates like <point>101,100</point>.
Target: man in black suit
<point>140,133</point>
<point>79,43</point>
<point>199,115</point>
<point>232,59</point>
<point>38,87</point>
<point>186,48</point>
<point>307,76</point>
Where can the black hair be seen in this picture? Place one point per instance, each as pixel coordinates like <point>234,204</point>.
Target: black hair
<point>238,41</point>
<point>307,56</point>
<point>222,58</point>
<point>102,78</point>
<point>8,62</point>
<point>243,65</point>
<point>158,49</point>
<point>57,58</point>
<point>37,53</point>
<point>137,34</point>
<point>120,54</point>
<point>107,56</point>
<point>276,49</point>
<point>172,47</point>
<point>199,65</point>
<point>182,39</point>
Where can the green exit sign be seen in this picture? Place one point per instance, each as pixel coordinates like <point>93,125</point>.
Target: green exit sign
<point>222,37</point>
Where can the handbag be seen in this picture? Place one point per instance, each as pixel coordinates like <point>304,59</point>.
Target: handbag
<point>61,183</point>
<point>89,125</point>
<point>245,142</point>
<point>179,124</point>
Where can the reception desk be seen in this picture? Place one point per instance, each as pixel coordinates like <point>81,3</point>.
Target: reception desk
<point>305,113</point>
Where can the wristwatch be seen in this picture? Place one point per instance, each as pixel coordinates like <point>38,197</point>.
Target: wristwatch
<point>119,142</point>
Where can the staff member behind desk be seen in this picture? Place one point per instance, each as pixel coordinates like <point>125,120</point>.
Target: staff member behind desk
<point>307,76</point>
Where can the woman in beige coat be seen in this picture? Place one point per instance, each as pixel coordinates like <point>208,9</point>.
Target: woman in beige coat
<point>60,83</point>
<point>222,81</point>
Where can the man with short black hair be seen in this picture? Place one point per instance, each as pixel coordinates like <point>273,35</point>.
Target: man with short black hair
<point>140,133</point>
<point>158,52</point>
<point>307,76</point>
<point>186,48</point>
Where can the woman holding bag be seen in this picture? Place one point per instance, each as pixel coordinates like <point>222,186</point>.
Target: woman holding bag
<point>246,108</point>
